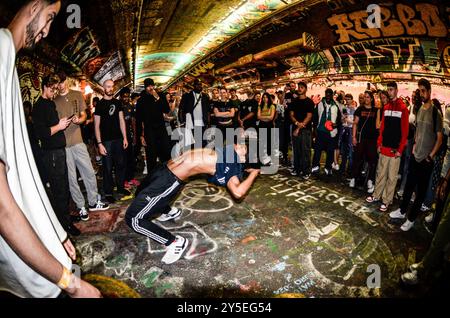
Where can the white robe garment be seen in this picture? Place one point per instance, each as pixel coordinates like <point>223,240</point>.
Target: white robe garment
<point>26,186</point>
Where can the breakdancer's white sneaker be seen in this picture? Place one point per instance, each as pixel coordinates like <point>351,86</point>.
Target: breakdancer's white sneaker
<point>175,250</point>
<point>173,214</point>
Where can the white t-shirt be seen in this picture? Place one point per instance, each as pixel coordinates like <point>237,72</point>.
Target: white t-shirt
<point>26,186</point>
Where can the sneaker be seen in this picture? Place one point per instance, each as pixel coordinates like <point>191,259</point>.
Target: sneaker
<point>175,250</point>
<point>410,278</point>
<point>352,183</point>
<point>266,160</point>
<point>294,173</point>
<point>414,267</point>
<point>397,214</point>
<point>371,199</point>
<point>127,185</point>
<point>399,194</point>
<point>99,206</point>
<point>424,208</point>
<point>407,226</point>
<point>370,187</point>
<point>110,199</point>
<point>328,172</point>
<point>384,207</point>
<point>429,218</point>
<point>174,213</point>
<point>84,215</point>
<point>315,169</point>
<point>306,176</point>
<point>335,166</point>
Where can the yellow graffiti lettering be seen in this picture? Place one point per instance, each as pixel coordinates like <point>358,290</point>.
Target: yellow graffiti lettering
<point>413,26</point>
<point>345,28</point>
<point>390,27</point>
<point>401,20</point>
<point>430,16</point>
<point>359,18</point>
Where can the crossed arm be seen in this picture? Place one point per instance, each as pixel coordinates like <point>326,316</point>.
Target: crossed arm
<point>228,114</point>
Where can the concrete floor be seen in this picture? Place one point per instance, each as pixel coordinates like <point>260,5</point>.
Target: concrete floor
<point>315,238</point>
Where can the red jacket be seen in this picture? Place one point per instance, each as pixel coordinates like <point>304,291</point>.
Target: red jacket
<point>394,128</point>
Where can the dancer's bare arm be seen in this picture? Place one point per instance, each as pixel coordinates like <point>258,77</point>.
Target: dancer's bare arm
<point>239,189</point>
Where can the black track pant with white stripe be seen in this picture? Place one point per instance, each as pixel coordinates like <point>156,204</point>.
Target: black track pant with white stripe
<point>161,189</point>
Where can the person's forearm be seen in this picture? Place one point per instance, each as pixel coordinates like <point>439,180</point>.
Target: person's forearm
<point>54,129</point>
<point>307,119</point>
<point>98,136</point>
<point>266,118</point>
<point>20,236</point>
<point>293,119</point>
<point>82,118</point>
<point>223,114</point>
<point>123,127</point>
<point>243,188</point>
<point>378,120</point>
<point>405,131</point>
<point>437,145</point>
<point>248,116</point>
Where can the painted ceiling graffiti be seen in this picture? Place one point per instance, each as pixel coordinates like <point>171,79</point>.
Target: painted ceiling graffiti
<point>162,66</point>
<point>423,19</point>
<point>197,28</point>
<point>244,16</point>
<point>112,69</point>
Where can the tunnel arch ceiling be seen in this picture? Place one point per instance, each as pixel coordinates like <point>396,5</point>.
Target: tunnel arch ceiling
<point>412,42</point>
<point>174,33</point>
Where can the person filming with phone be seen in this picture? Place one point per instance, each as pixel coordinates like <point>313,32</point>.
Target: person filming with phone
<point>49,130</point>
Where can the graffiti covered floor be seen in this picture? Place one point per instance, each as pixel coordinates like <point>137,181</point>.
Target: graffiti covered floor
<point>315,238</point>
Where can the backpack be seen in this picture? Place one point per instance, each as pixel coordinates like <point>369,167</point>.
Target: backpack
<point>443,147</point>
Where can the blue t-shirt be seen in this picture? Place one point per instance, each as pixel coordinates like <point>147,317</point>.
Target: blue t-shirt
<point>227,166</point>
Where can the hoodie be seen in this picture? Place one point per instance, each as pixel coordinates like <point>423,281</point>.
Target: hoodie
<point>394,128</point>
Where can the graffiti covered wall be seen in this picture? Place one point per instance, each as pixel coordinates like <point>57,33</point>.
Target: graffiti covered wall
<point>31,72</point>
<point>412,38</point>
